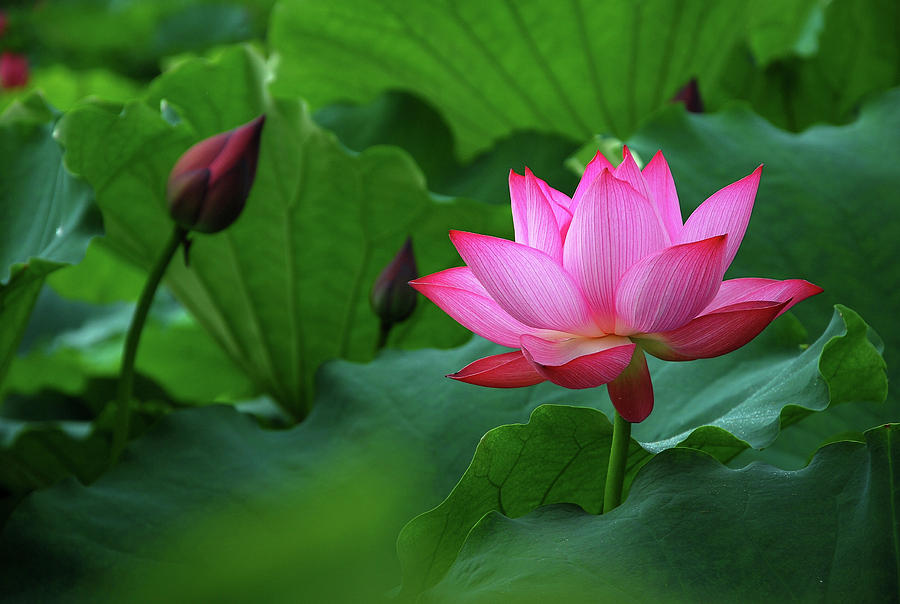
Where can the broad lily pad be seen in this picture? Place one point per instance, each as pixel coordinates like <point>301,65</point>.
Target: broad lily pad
<point>397,418</point>
<point>577,69</point>
<point>694,530</point>
<point>47,215</point>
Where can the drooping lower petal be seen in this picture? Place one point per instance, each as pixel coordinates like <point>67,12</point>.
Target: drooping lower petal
<point>613,227</point>
<point>632,392</point>
<point>526,283</point>
<point>725,212</point>
<point>461,295</point>
<point>756,289</point>
<point>507,370</point>
<point>669,288</point>
<point>534,221</point>
<point>586,371</point>
<point>560,351</point>
<point>662,192</point>
<point>712,334</point>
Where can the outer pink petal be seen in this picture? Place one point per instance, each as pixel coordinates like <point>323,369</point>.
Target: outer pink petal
<point>734,291</point>
<point>526,283</point>
<point>632,392</point>
<point>662,192</point>
<point>508,370</point>
<point>533,217</point>
<point>713,334</point>
<point>461,295</point>
<point>727,211</point>
<point>587,371</point>
<point>671,287</point>
<point>560,352</point>
<point>613,227</point>
<point>591,173</point>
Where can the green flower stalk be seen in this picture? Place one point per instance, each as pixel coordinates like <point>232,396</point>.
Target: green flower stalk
<point>207,190</point>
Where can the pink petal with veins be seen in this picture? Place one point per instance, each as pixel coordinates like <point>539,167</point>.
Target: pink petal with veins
<point>713,334</point>
<point>507,370</point>
<point>587,371</point>
<point>591,173</point>
<point>725,212</point>
<point>534,220</point>
<point>734,291</point>
<point>662,192</point>
<point>526,283</point>
<point>560,352</point>
<point>613,227</point>
<point>669,288</point>
<point>461,295</point>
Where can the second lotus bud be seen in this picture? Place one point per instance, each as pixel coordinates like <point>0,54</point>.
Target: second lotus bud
<point>211,181</point>
<point>393,300</point>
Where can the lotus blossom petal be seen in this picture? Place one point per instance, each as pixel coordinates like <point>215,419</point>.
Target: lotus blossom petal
<point>533,216</point>
<point>507,370</point>
<point>613,227</point>
<point>632,392</point>
<point>561,351</point>
<point>629,172</point>
<point>587,371</point>
<point>560,204</point>
<point>713,334</point>
<point>560,198</point>
<point>725,212</point>
<point>667,289</point>
<point>592,172</point>
<point>526,283</point>
<point>734,291</point>
<point>461,295</point>
<point>663,195</point>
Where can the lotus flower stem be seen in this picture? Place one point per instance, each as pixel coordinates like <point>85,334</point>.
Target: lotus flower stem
<point>618,455</point>
<point>132,338</point>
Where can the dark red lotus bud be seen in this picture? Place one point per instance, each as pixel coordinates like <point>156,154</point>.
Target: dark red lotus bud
<point>392,298</point>
<point>690,96</point>
<point>4,21</point>
<point>13,70</point>
<point>210,183</point>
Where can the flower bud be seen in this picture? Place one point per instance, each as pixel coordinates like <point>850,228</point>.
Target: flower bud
<point>690,96</point>
<point>210,183</point>
<point>4,21</point>
<point>392,298</point>
<point>13,70</point>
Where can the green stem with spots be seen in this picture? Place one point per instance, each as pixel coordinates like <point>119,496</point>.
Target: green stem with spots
<point>132,338</point>
<point>618,456</point>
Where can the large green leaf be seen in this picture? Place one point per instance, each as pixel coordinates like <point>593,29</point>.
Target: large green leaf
<point>826,210</point>
<point>47,215</point>
<point>719,405</point>
<point>286,287</point>
<point>396,418</point>
<point>693,530</point>
<point>495,67</point>
<point>856,54</point>
<point>404,120</point>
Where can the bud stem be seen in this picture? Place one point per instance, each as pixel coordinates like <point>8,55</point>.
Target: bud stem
<point>383,332</point>
<point>618,455</point>
<point>126,375</point>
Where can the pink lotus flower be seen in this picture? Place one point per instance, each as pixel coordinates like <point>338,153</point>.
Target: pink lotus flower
<point>593,281</point>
